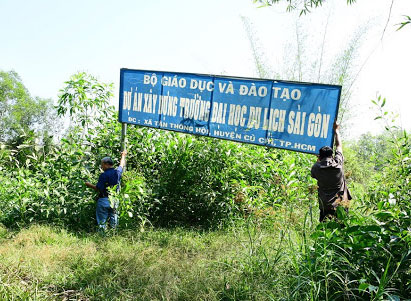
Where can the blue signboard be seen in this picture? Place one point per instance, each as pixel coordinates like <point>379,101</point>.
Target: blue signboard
<point>289,115</point>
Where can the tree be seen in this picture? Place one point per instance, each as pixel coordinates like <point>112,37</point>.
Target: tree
<point>305,6</point>
<point>85,98</point>
<point>302,65</point>
<point>20,113</point>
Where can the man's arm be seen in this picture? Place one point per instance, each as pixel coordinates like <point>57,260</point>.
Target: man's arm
<point>337,138</point>
<point>312,173</point>
<point>123,158</point>
<point>89,185</point>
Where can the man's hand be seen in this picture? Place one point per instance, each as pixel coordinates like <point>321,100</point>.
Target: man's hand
<point>336,126</point>
<point>337,138</point>
<point>123,158</point>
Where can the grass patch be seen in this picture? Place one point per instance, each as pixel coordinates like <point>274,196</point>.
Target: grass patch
<point>246,261</point>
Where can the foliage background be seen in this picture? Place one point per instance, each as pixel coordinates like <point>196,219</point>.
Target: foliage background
<point>261,201</point>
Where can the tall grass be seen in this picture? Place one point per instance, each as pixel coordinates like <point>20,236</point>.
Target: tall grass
<point>244,262</point>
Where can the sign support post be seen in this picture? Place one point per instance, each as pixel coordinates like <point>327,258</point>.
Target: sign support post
<point>123,137</point>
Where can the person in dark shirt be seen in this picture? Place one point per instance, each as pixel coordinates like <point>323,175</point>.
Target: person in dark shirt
<point>329,173</point>
<point>109,178</point>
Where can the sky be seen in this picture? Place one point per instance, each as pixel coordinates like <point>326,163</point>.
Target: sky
<point>47,41</point>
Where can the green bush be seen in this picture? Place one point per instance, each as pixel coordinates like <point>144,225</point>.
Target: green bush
<point>365,255</point>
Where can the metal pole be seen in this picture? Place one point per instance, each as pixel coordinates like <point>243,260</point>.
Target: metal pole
<point>124,138</point>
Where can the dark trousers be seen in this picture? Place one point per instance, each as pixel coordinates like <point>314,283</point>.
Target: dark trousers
<point>328,212</point>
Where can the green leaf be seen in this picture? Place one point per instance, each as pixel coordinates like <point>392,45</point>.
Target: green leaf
<point>408,21</point>
<point>384,215</point>
<point>372,228</point>
<point>23,146</point>
<point>363,286</point>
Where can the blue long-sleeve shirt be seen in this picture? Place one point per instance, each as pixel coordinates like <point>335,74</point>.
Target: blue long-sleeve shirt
<point>109,178</point>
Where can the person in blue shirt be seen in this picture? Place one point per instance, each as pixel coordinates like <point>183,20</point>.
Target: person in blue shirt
<point>109,178</point>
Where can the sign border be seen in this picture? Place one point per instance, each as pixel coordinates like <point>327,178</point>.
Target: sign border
<point>122,70</point>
